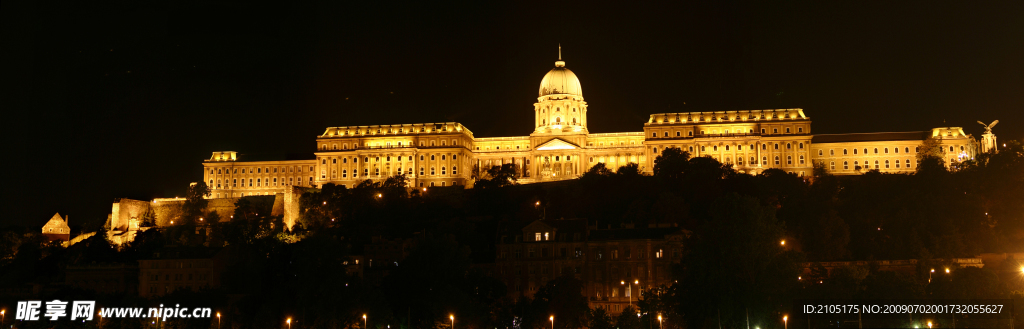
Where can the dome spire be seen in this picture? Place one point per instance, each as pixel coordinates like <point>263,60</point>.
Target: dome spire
<point>560,62</point>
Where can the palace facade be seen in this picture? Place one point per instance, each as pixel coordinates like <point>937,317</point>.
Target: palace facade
<point>562,147</point>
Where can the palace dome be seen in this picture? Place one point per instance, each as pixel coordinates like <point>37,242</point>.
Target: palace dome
<point>560,81</point>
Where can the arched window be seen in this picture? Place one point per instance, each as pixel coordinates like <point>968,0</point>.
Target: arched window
<point>775,130</point>
<point>691,149</point>
<point>591,159</point>
<point>787,130</point>
<point>679,133</point>
<point>846,165</point>
<point>776,146</point>
<point>689,133</point>
<point>789,146</point>
<point>876,150</point>
<point>886,150</point>
<point>655,150</point>
<point>442,156</point>
<point>764,161</point>
<point>431,157</point>
<point>820,153</point>
<point>886,164</point>
<point>433,171</point>
<point>801,159</point>
<point>376,171</point>
<point>845,152</point>
<point>906,150</point>
<point>801,146</point>
<point>951,148</point>
<point>558,120</point>
<point>574,120</point>
<point>876,164</point>
<point>421,171</point>
<point>907,164</point>
<point>896,150</point>
<point>714,148</point>
<point>702,148</point>
<point>455,171</point>
<point>789,159</point>
<point>666,134</point>
<point>776,160</point>
<point>897,163</point>
<point>753,160</point>
<point>654,134</point>
<point>334,161</point>
<point>344,173</point>
<point>443,171</point>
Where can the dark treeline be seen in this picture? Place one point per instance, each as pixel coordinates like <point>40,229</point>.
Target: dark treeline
<point>734,269</point>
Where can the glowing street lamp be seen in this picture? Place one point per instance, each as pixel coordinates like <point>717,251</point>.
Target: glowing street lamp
<point>218,320</point>
<point>552,318</point>
<point>3,316</point>
<point>785,322</point>
<point>364,320</point>
<point>451,316</point>
<point>289,321</point>
<point>660,324</point>
<point>929,324</point>
<point>947,270</point>
<point>933,271</point>
<point>783,242</point>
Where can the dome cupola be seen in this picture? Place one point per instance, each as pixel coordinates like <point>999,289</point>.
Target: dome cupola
<point>560,80</point>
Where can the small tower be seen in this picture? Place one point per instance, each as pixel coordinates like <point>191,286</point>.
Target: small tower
<point>560,107</point>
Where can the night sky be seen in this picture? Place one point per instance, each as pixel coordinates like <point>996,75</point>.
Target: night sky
<point>104,100</point>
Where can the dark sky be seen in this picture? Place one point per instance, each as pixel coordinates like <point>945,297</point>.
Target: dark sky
<point>126,99</point>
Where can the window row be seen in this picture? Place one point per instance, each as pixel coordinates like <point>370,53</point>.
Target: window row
<point>885,150</point>
<point>788,130</point>
<point>885,164</point>
<point>257,182</point>
<point>257,170</point>
<point>433,157</point>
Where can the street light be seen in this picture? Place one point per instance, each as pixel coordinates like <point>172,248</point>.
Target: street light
<point>364,321</point>
<point>660,324</point>
<point>785,322</point>
<point>552,318</point>
<point>451,316</point>
<point>289,321</point>
<point>218,320</point>
<point>3,316</point>
<point>929,324</point>
<point>933,271</point>
<point>783,242</point>
<point>947,270</point>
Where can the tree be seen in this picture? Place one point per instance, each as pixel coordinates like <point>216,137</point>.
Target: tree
<point>599,319</point>
<point>736,265</point>
<point>195,201</point>
<point>671,164</point>
<point>500,176</point>
<point>563,299</point>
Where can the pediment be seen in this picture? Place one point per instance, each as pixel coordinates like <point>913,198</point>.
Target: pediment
<point>557,144</point>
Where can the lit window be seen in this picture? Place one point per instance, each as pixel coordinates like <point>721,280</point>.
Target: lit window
<point>537,237</point>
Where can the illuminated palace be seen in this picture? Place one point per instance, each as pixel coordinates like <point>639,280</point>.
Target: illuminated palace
<point>561,147</point>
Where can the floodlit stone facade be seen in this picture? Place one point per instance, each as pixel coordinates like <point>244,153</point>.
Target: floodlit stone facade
<point>562,147</point>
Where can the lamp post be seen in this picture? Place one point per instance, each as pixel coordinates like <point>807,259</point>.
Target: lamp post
<point>552,318</point>
<point>3,316</point>
<point>364,321</point>
<point>929,324</point>
<point>785,322</point>
<point>289,322</point>
<point>930,275</point>
<point>218,320</point>
<point>452,317</point>
<point>660,324</point>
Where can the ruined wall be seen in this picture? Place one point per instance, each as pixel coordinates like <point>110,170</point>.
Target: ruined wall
<point>290,204</point>
<point>125,210</point>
